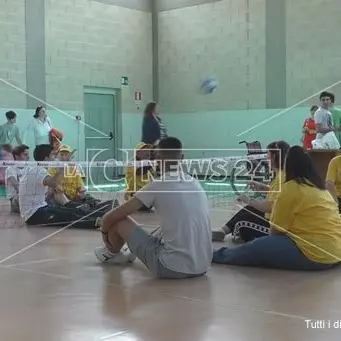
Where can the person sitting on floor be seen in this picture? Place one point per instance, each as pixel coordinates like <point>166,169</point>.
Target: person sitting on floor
<point>305,226</point>
<point>136,177</point>
<point>6,155</point>
<point>252,221</point>
<point>34,209</point>
<point>71,186</point>
<point>333,179</point>
<point>13,175</point>
<point>185,249</point>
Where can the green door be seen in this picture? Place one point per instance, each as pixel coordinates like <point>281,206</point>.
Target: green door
<point>100,115</point>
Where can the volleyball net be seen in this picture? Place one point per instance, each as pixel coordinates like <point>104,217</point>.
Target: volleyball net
<point>221,177</point>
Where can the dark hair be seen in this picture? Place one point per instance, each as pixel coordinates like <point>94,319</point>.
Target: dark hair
<point>300,167</point>
<point>171,143</point>
<point>38,108</point>
<point>327,94</point>
<point>279,149</point>
<point>314,107</point>
<point>18,150</point>
<point>42,151</point>
<point>10,115</point>
<point>150,107</point>
<point>7,147</point>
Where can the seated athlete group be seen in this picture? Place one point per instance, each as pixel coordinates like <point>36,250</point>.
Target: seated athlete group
<point>296,226</point>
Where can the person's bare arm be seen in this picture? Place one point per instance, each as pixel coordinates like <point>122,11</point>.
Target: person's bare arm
<point>14,182</point>
<point>120,213</point>
<point>330,186</point>
<point>17,136</point>
<point>54,181</point>
<point>264,206</point>
<point>261,205</point>
<point>321,130</point>
<point>259,186</point>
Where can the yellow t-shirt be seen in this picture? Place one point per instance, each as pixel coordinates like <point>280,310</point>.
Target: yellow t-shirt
<point>311,218</point>
<point>70,184</point>
<point>334,174</point>
<point>275,188</point>
<point>134,182</point>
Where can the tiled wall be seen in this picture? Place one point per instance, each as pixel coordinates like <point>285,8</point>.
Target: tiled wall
<point>224,39</point>
<point>95,44</point>
<point>313,48</point>
<point>12,53</point>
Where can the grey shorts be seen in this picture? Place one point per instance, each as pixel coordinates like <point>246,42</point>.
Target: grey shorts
<point>147,248</point>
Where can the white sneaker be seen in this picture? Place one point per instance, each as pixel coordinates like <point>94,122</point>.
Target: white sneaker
<point>122,257</point>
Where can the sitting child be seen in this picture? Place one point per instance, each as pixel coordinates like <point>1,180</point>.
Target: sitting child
<point>71,192</point>
<point>137,177</point>
<point>55,139</point>
<point>34,209</point>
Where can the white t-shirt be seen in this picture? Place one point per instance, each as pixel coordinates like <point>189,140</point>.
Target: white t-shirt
<point>17,173</point>
<point>32,191</point>
<point>183,208</point>
<point>324,117</point>
<point>40,131</point>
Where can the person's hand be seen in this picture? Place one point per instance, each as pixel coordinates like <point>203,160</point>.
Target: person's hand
<point>58,190</point>
<point>255,186</point>
<point>69,157</point>
<point>243,199</point>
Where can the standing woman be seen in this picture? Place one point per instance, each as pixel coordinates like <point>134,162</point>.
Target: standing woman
<point>153,130</point>
<point>309,129</point>
<point>40,126</point>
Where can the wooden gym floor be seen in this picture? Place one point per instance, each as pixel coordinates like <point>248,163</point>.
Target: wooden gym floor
<point>57,291</point>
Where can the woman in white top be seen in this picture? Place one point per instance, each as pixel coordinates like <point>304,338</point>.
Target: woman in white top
<point>40,126</point>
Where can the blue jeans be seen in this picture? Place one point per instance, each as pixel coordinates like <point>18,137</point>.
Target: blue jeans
<point>278,251</point>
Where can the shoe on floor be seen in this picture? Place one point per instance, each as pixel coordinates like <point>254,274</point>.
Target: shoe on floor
<point>107,257</point>
<point>218,236</point>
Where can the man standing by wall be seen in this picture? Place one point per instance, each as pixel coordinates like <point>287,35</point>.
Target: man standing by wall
<point>336,114</point>
<point>323,117</point>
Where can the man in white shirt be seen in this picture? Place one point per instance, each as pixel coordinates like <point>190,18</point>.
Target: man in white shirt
<point>13,175</point>
<point>323,117</point>
<point>185,249</point>
<point>34,209</point>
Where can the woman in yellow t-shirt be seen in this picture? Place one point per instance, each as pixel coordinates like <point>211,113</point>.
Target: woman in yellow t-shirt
<point>305,226</point>
<point>253,220</point>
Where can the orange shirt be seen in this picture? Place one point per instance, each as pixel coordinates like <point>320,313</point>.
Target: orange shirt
<point>308,138</point>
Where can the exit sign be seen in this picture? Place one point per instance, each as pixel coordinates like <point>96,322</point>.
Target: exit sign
<point>124,81</point>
